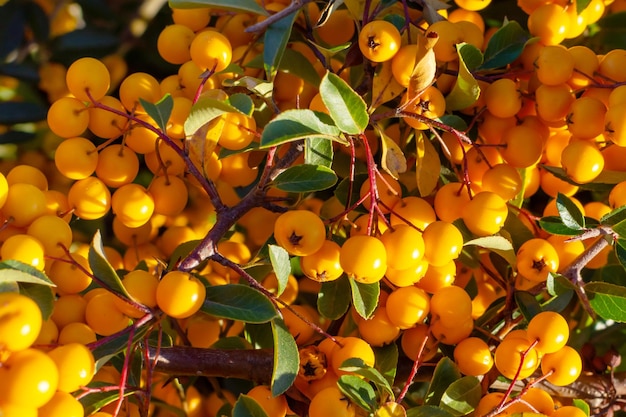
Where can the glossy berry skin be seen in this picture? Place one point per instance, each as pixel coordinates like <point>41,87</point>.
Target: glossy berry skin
<point>562,367</point>
<point>473,356</point>
<point>20,321</point>
<point>179,294</point>
<point>363,258</point>
<point>379,40</point>
<point>300,232</point>
<point>536,258</point>
<point>550,330</point>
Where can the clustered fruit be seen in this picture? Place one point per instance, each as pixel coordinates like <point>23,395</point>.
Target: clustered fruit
<point>555,106</point>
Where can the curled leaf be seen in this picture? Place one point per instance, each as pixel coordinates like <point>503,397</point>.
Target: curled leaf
<point>427,166</point>
<point>423,74</point>
<point>384,86</point>
<point>393,159</point>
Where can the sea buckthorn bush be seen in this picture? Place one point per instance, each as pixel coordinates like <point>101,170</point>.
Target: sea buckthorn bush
<point>256,208</point>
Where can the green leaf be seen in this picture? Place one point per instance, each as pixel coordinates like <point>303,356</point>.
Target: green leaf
<point>365,297</point>
<point>554,225</point>
<point>243,6</point>
<point>159,111</point>
<point>387,361</point>
<point>111,346</point>
<point>297,64</point>
<point>557,284</point>
<point>569,212</point>
<point>318,151</point>
<point>528,304</point>
<point>242,102</point>
<point>40,294</point>
<point>358,367</point>
<point>101,267</point>
<point>462,397</point>
<point>238,302</point>
<point>274,43</point>
<point>281,265</point>
<point>358,391</point>
<point>620,228</point>
<point>620,252</point>
<point>465,91</point>
<point>346,107</point>
<point>305,178</point>
<point>505,46</point>
<point>580,6</point>
<point>332,302</point>
<point>203,111</point>
<point>614,216</point>
<point>427,411</point>
<point>16,271</point>
<point>497,244</point>
<point>608,300</point>
<point>298,124</point>
<point>446,372</point>
<point>582,404</point>
<point>286,358</point>
<point>246,406</point>
<point>603,182</point>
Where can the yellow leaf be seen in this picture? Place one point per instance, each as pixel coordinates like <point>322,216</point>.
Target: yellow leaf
<point>384,86</point>
<point>202,143</point>
<point>393,159</point>
<point>423,74</point>
<point>391,409</point>
<point>427,165</point>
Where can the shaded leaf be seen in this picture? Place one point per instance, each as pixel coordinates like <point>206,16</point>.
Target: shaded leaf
<point>13,112</point>
<point>446,372</point>
<point>465,91</point>
<point>101,267</point>
<point>40,294</point>
<point>244,6</point>
<point>427,411</point>
<point>159,111</point>
<point>242,102</point>
<point>238,302</point>
<point>274,43</point>
<point>423,74</point>
<point>462,397</point>
<point>105,350</point>
<point>318,151</point>
<point>286,358</point>
<point>620,228</point>
<point>528,304</point>
<point>246,406</point>
<point>498,244</point>
<point>557,284</point>
<point>305,178</point>
<point>608,300</point>
<point>95,400</point>
<point>12,270</point>
<point>505,45</point>
<point>297,124</point>
<point>358,391</point>
<point>387,361</point>
<point>332,302</point>
<point>427,166</point>
<point>203,111</point>
<point>620,251</point>
<point>297,64</point>
<point>580,6</point>
<point>358,367</point>
<point>569,212</point>
<point>614,216</point>
<point>345,106</point>
<point>384,85</point>
<point>281,266</point>
<point>365,297</point>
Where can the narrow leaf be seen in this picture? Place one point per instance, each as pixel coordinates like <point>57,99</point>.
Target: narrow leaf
<point>243,6</point>
<point>505,45</point>
<point>554,225</point>
<point>274,43</point>
<point>427,411</point>
<point>428,165</point>
<point>498,244</point>
<point>318,151</point>
<point>620,252</point>
<point>384,85</point>
<point>297,124</point>
<point>332,302</point>
<point>101,267</point>
<point>305,178</point>
<point>159,111</point>
<point>528,304</point>
<point>346,107</point>
<point>620,228</point>
<point>608,300</point>
<point>462,397</point>
<point>465,91</point>
<point>614,216</point>
<point>387,361</point>
<point>569,212</point>
<point>95,400</point>
<point>365,297</point>
<point>423,74</point>
<point>446,372</point>
<point>358,391</point>
<point>13,112</point>
<point>246,406</point>
<point>281,265</point>
<point>358,367</point>
<point>16,271</point>
<point>238,302</point>
<point>286,358</point>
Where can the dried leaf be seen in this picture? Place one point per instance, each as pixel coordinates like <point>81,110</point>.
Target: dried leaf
<point>423,74</point>
<point>202,142</point>
<point>393,159</point>
<point>384,87</point>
